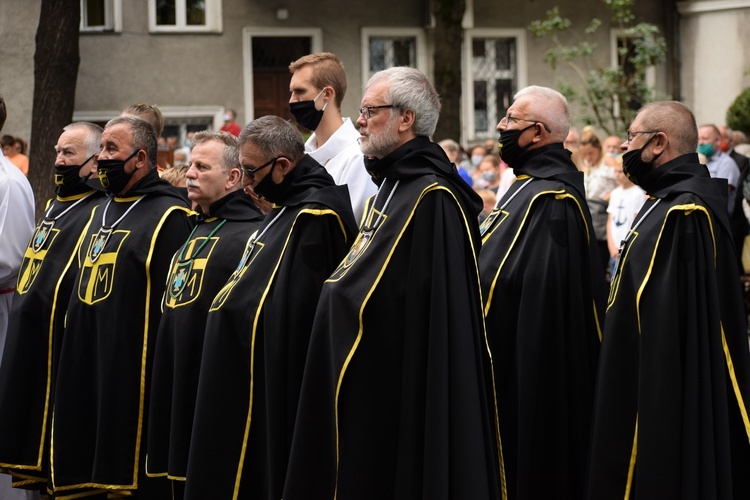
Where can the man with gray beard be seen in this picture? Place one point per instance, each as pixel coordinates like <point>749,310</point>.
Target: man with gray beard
<point>395,400</point>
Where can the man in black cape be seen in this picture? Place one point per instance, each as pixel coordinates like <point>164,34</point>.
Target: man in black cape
<point>671,410</point>
<point>396,399</point>
<point>101,395</point>
<point>543,290</point>
<point>226,217</point>
<point>259,323</point>
<point>37,318</point>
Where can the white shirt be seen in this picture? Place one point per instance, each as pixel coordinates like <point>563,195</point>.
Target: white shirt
<point>342,158</point>
<point>624,204</point>
<point>16,227</point>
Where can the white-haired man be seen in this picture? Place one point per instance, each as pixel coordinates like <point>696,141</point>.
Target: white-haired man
<point>543,293</point>
<point>394,402</point>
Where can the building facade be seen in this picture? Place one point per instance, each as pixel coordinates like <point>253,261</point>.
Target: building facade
<point>195,58</point>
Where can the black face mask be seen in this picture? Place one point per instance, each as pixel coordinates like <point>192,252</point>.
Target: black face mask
<point>112,174</point>
<point>67,177</point>
<point>508,148</point>
<point>306,114</point>
<point>267,189</point>
<point>633,165</point>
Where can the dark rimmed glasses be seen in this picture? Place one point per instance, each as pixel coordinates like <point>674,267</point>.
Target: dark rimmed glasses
<point>631,135</point>
<point>250,172</point>
<point>366,111</point>
<point>508,119</point>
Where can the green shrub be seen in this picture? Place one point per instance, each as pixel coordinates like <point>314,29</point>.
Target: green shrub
<point>738,114</point>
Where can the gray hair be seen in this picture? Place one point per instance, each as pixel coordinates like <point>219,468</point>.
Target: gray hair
<point>409,88</point>
<point>274,137</point>
<point>549,107</point>
<point>674,119</point>
<point>144,135</point>
<point>230,158</point>
<point>93,140</point>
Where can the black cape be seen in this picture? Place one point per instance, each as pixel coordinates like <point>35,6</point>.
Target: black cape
<point>671,413</point>
<point>101,398</point>
<point>543,290</point>
<point>394,402</point>
<point>256,341</point>
<point>198,270</point>
<point>35,329</point>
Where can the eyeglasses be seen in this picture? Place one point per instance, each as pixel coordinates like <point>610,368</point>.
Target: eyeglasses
<point>250,172</point>
<point>509,119</point>
<point>631,135</point>
<point>366,111</point>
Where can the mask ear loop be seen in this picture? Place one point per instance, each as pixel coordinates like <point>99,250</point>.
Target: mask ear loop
<point>321,93</point>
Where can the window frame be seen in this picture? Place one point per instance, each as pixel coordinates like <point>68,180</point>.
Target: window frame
<point>469,132</point>
<point>392,32</point>
<point>112,13</point>
<point>213,19</point>
<point>615,35</point>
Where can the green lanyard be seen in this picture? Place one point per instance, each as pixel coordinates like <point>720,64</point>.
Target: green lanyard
<point>181,259</point>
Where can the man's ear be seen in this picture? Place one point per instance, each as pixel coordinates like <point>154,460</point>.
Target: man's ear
<point>235,176</point>
<point>661,142</point>
<point>406,120</point>
<point>141,159</point>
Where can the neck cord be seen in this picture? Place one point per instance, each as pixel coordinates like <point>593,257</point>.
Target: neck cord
<point>513,195</point>
<point>382,210</point>
<point>253,241</point>
<point>109,202</point>
<point>71,207</point>
<point>627,238</point>
<point>182,258</point>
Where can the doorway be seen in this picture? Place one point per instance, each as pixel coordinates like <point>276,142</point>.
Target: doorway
<point>268,54</point>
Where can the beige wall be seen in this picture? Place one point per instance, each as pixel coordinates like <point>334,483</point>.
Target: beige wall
<point>715,54</point>
<point>18,21</point>
<point>208,70</point>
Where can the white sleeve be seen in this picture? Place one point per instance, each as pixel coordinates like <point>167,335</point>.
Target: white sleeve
<point>16,221</point>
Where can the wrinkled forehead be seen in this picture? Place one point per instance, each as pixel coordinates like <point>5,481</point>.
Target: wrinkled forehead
<point>118,133</point>
<point>375,94</point>
<point>73,138</point>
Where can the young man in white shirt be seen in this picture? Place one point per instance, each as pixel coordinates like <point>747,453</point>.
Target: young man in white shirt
<point>317,90</point>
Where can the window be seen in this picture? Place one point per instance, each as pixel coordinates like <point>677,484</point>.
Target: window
<point>618,41</point>
<point>494,66</point>
<point>185,16</point>
<point>101,15</point>
<point>384,48</point>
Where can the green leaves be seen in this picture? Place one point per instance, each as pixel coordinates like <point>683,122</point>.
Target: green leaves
<point>610,95</point>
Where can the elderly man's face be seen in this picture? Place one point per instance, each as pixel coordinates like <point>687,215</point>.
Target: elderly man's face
<point>708,135</point>
<point>206,180</point>
<point>71,150</point>
<point>379,133</point>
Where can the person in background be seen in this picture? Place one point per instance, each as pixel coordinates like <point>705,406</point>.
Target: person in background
<point>624,203</point>
<point>720,165</point>
<point>599,181</point>
<point>452,150</point>
<point>488,203</point>
<point>740,227</point>
<point>13,150</point>
<point>612,151</point>
<point>230,123</point>
<point>317,90</point>
<point>490,169</point>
